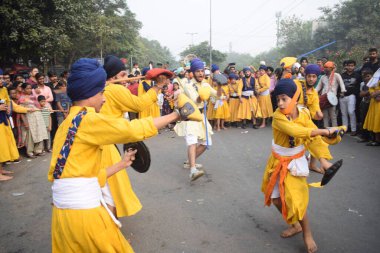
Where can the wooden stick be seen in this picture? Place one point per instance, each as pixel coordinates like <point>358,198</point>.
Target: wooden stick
<point>126,79</point>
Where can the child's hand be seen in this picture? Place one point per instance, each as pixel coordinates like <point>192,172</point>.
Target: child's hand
<point>3,107</point>
<point>128,158</point>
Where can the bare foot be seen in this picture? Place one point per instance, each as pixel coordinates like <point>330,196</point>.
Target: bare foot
<point>4,172</point>
<point>5,178</point>
<point>310,244</point>
<point>291,231</point>
<point>218,129</point>
<point>317,169</point>
<point>262,126</point>
<point>223,128</point>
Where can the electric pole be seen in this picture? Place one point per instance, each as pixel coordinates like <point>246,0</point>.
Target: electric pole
<point>278,16</point>
<point>192,38</point>
<point>210,37</point>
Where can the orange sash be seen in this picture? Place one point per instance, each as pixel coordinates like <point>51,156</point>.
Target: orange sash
<point>280,171</point>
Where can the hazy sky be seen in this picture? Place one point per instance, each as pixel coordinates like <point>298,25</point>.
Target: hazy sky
<point>247,26</point>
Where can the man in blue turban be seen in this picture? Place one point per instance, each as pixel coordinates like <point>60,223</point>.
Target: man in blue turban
<point>197,134</point>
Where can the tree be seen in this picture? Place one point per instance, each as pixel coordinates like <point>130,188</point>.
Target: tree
<point>241,60</point>
<point>202,50</point>
<point>151,50</point>
<point>295,36</point>
<point>351,23</point>
<point>65,29</point>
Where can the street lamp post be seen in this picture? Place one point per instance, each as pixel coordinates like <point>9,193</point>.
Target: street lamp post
<point>210,36</point>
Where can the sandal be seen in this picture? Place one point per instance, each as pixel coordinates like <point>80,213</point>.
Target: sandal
<point>330,172</point>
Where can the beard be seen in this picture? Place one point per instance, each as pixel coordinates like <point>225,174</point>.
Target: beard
<point>181,76</point>
<point>247,76</point>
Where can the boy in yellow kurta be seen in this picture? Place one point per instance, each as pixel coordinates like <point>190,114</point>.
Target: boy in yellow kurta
<point>309,98</point>
<point>249,108</point>
<point>81,221</point>
<point>8,148</point>
<point>119,100</point>
<point>235,88</point>
<point>284,181</point>
<point>264,95</point>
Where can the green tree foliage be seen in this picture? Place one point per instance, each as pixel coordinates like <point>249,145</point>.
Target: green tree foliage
<point>202,50</point>
<point>61,31</point>
<point>151,50</point>
<point>353,24</point>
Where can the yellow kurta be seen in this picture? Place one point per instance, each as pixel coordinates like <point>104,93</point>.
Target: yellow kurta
<point>223,111</point>
<point>153,110</point>
<point>210,114</point>
<point>195,128</point>
<point>372,120</point>
<point>91,230</point>
<point>234,102</point>
<point>296,188</point>
<point>8,148</point>
<point>119,100</point>
<point>312,98</point>
<point>317,147</point>
<point>264,99</point>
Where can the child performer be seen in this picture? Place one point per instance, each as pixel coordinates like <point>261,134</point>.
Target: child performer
<point>235,88</point>
<point>264,96</point>
<point>222,110</point>
<point>292,128</point>
<point>249,106</point>
<point>81,220</point>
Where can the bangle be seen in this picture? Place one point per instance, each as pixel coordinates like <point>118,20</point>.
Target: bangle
<point>329,131</point>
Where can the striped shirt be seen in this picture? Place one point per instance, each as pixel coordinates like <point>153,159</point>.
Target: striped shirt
<point>46,115</point>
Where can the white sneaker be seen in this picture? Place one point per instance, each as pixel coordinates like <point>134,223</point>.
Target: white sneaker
<point>196,174</point>
<point>186,165</point>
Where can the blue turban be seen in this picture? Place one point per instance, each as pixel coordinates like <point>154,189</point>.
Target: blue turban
<point>214,68</point>
<point>285,86</point>
<point>233,76</point>
<point>196,64</point>
<point>263,67</point>
<point>178,71</point>
<point>247,69</point>
<point>87,78</point>
<point>1,72</point>
<point>113,65</point>
<point>313,69</point>
<point>144,70</point>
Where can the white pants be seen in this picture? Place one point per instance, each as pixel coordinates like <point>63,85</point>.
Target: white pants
<point>347,107</point>
<point>330,114</point>
<point>192,139</point>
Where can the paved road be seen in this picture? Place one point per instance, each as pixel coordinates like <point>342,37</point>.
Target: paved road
<point>221,212</point>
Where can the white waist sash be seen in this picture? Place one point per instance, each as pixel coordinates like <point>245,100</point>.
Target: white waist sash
<point>247,93</point>
<point>264,93</point>
<point>298,167</point>
<point>79,193</point>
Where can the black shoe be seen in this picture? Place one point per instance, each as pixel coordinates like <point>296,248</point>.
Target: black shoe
<point>255,127</point>
<point>244,126</point>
